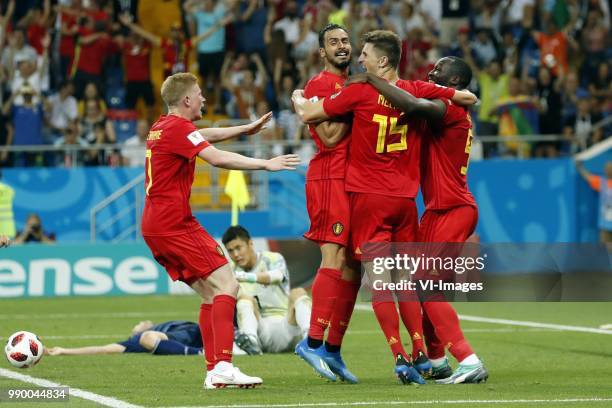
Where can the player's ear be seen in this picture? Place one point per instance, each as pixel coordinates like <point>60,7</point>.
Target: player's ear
<point>322,52</point>
<point>383,61</point>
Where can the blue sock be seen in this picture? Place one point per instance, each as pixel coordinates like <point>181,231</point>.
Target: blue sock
<point>171,347</point>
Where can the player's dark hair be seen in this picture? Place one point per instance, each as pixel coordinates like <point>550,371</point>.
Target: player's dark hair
<point>461,69</point>
<point>327,28</point>
<point>387,42</point>
<point>235,232</point>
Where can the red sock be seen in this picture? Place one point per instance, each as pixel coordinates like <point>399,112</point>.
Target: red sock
<point>446,322</point>
<point>435,347</point>
<point>324,292</point>
<point>413,320</point>
<point>343,309</point>
<point>208,339</point>
<point>223,326</point>
<point>387,317</point>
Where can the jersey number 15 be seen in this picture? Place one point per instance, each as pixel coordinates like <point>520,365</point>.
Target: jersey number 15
<point>390,123</point>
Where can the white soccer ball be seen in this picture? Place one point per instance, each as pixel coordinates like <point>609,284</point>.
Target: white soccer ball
<point>23,349</point>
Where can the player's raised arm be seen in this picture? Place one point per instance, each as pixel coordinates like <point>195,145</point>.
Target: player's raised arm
<point>214,135</point>
<point>408,103</point>
<point>235,161</point>
<point>309,112</point>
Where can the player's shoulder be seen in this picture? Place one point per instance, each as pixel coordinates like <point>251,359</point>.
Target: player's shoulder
<point>323,84</point>
<point>271,256</point>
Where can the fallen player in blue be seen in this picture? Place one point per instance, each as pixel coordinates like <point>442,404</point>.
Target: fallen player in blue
<point>175,337</point>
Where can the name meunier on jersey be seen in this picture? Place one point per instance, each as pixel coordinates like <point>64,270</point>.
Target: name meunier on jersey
<point>273,299</point>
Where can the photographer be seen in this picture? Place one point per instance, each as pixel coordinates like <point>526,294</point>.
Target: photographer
<point>33,232</point>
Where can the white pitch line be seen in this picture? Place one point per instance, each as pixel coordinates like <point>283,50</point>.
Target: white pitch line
<point>539,325</point>
<point>39,316</point>
<point>74,392</point>
<point>508,322</point>
<point>409,402</point>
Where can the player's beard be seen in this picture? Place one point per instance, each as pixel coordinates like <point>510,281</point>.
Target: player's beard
<point>341,65</point>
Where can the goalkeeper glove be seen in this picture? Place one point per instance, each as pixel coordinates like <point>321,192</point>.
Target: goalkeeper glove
<point>250,277</point>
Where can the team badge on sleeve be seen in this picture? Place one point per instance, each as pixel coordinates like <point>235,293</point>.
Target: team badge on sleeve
<point>195,137</point>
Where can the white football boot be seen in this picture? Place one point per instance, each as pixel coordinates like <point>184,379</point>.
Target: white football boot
<point>230,377</point>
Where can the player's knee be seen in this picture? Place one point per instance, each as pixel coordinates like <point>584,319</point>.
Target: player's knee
<point>247,298</point>
<point>148,340</point>
<point>297,293</point>
<point>332,256</point>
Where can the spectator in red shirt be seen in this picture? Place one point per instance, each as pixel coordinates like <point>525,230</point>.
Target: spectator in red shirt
<point>93,46</point>
<point>69,29</point>
<point>176,48</point>
<point>136,53</point>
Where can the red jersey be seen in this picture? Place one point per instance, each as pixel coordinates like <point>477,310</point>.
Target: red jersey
<point>329,162</point>
<point>90,57</point>
<point>444,161</point>
<point>136,61</point>
<point>172,146</point>
<point>175,56</point>
<point>67,42</point>
<point>385,148</point>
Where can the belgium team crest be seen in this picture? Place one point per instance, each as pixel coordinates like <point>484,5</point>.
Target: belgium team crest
<point>337,228</point>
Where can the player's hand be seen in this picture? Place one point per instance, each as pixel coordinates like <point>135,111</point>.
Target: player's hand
<point>125,19</point>
<point>256,126</point>
<point>54,351</point>
<point>4,241</point>
<point>360,78</point>
<point>297,100</point>
<point>246,277</point>
<point>284,162</point>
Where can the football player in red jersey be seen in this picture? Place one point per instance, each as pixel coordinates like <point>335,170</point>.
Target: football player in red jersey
<point>176,239</point>
<point>336,285</point>
<point>451,213</point>
<point>383,166</point>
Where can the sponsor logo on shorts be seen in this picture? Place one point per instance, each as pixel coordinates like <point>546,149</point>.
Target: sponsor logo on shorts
<point>220,251</point>
<point>337,228</point>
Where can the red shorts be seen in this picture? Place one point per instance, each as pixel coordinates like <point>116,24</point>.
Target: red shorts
<point>452,225</point>
<point>187,257</point>
<point>379,218</point>
<point>446,231</point>
<point>328,209</point>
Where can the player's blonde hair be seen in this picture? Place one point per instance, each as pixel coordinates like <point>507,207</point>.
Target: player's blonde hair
<point>176,86</point>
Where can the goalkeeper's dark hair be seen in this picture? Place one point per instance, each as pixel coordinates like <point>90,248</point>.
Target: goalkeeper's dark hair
<point>458,67</point>
<point>235,232</point>
<point>327,28</point>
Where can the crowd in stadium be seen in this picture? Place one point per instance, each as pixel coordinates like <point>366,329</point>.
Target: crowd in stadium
<point>74,70</point>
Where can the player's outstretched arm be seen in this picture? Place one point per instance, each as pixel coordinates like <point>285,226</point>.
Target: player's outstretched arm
<point>406,102</point>
<point>235,161</point>
<point>464,97</point>
<point>309,112</point>
<point>112,348</point>
<point>213,135</point>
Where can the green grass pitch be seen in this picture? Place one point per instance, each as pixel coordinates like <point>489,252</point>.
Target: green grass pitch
<point>528,366</point>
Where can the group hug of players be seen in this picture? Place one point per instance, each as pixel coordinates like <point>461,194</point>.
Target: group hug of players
<point>379,138</point>
<point>387,137</point>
